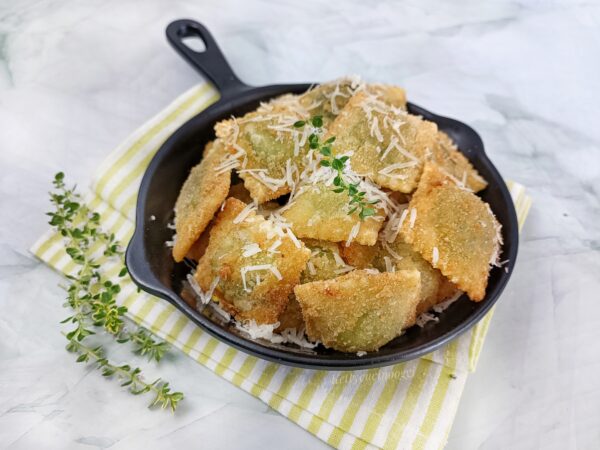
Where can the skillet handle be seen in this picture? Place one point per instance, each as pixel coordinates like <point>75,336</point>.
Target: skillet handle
<point>211,62</point>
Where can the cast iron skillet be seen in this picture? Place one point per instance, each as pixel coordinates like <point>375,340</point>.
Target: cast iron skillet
<point>151,266</point>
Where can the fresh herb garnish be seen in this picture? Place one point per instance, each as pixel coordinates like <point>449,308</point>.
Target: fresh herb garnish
<point>357,198</point>
<point>92,296</point>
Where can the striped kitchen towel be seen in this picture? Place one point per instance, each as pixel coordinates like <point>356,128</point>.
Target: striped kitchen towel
<point>408,405</point>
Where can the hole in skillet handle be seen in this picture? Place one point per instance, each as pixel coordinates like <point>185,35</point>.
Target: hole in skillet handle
<point>205,56</point>
<point>194,43</point>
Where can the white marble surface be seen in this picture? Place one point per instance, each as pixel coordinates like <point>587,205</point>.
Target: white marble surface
<point>77,77</point>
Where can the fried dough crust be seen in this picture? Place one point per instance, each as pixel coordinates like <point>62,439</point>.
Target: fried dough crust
<point>247,297</point>
<point>360,311</point>
<point>202,194</point>
<point>454,230</point>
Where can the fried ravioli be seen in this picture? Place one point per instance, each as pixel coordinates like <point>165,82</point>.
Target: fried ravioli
<point>360,311</point>
<point>256,262</point>
<point>454,230</point>
<point>388,145</point>
<point>447,156</point>
<point>398,255</point>
<point>318,212</point>
<point>329,99</point>
<point>268,148</point>
<point>325,263</point>
<point>200,197</point>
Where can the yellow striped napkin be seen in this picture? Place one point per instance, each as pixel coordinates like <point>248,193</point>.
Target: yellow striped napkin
<point>409,405</point>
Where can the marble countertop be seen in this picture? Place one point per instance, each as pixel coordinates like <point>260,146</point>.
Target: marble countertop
<point>77,77</point>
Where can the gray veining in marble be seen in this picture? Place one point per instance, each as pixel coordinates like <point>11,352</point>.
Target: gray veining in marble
<point>77,77</point>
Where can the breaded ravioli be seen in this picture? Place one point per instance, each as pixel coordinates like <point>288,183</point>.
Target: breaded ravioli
<point>398,255</point>
<point>257,264</point>
<point>447,156</point>
<point>388,145</point>
<point>268,148</point>
<point>454,230</point>
<point>329,99</point>
<point>199,199</point>
<point>197,250</point>
<point>324,263</point>
<point>318,212</point>
<point>359,311</point>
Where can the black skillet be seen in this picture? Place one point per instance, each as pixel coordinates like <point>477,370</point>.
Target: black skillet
<point>151,266</point>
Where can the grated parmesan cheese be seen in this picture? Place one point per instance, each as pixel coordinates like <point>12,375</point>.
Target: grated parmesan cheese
<point>441,307</point>
<point>394,224</point>
<point>244,270</point>
<point>245,212</point>
<point>391,251</point>
<point>353,233</point>
<point>413,217</point>
<point>267,332</point>
<point>171,243</point>
<point>425,318</point>
<point>435,256</point>
<point>311,268</point>
<point>220,311</point>
<point>338,259</point>
<point>495,257</point>
<point>375,131</point>
<point>274,246</point>
<point>345,269</point>
<point>250,250</point>
<point>203,297</point>
<point>294,239</point>
<point>389,267</point>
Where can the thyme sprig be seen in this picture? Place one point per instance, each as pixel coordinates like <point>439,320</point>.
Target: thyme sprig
<point>92,296</point>
<point>357,197</point>
<point>129,377</point>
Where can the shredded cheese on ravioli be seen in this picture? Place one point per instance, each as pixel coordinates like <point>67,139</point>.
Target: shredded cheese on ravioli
<point>244,270</point>
<point>250,250</point>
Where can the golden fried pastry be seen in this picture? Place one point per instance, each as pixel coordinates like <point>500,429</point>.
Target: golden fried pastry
<point>256,262</point>
<point>360,311</point>
<point>328,99</point>
<point>391,95</point>
<point>325,262</point>
<point>388,145</point>
<point>454,163</point>
<point>398,255</point>
<point>199,199</point>
<point>269,149</point>
<point>454,230</point>
<point>318,212</point>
